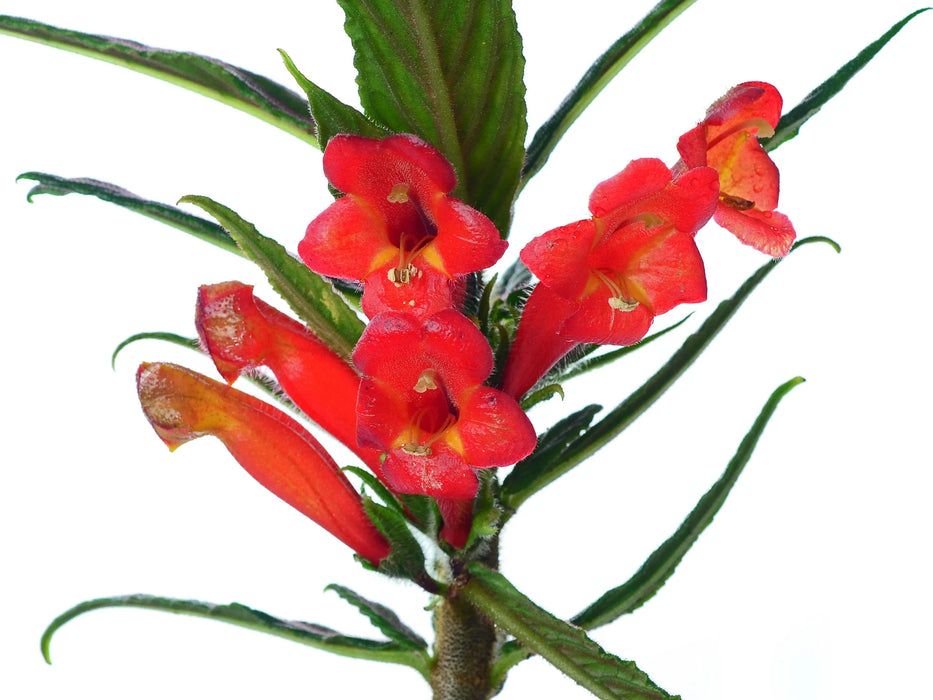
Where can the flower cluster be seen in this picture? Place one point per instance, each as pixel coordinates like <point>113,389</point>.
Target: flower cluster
<point>415,403</point>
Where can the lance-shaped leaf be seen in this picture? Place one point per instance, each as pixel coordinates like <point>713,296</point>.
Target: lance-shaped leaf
<point>565,646</point>
<point>330,114</point>
<point>451,73</point>
<point>309,295</point>
<point>664,560</point>
<point>406,559</point>
<point>251,93</point>
<point>385,620</point>
<point>537,470</point>
<point>623,415</point>
<point>173,216</point>
<point>791,122</point>
<point>603,70</point>
<point>305,633</point>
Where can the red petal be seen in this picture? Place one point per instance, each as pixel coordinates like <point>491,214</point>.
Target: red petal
<point>182,405</point>
<point>659,270</point>
<point>746,170</point>
<point>372,167</point>
<point>597,322</point>
<point>443,473</point>
<point>347,240</point>
<point>466,241</point>
<point>494,430</point>
<point>640,179</point>
<point>559,257</point>
<point>458,519</point>
<point>744,102</point>
<point>423,295</point>
<point>768,231</point>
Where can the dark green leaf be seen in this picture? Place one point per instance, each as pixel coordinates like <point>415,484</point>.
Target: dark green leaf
<point>173,216</point>
<point>623,415</point>
<point>239,88</point>
<point>516,276</point>
<point>450,72</point>
<point>537,470</point>
<point>382,618</point>
<point>662,562</point>
<point>563,645</point>
<point>380,489</point>
<point>308,294</point>
<point>330,114</point>
<point>191,343</point>
<point>543,394</point>
<point>407,558</point>
<point>791,122</point>
<point>604,69</point>
<point>303,632</point>
<point>587,364</point>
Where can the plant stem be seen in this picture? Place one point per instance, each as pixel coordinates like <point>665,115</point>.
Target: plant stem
<point>465,644</point>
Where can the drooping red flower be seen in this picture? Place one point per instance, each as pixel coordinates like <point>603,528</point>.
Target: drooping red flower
<point>397,230</point>
<point>241,333</point>
<point>604,279</point>
<point>727,140</point>
<point>422,401</point>
<point>183,405</point>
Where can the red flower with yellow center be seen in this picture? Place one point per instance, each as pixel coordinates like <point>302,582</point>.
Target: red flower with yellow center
<point>604,279</point>
<point>397,231</point>
<point>422,401</point>
<point>727,140</point>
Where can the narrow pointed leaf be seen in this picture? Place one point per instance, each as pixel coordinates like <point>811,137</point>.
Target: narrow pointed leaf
<point>385,620</point>
<point>588,364</point>
<point>451,73</point>
<point>173,216</point>
<point>309,295</point>
<point>174,338</point>
<point>623,415</point>
<point>662,562</point>
<point>791,122</point>
<point>563,645</point>
<point>406,559</point>
<point>603,70</point>
<point>251,93</point>
<point>538,469</point>
<point>302,632</point>
<point>330,114</point>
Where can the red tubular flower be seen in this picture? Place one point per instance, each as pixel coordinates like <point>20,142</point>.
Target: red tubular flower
<point>397,231</point>
<point>242,333</point>
<point>727,140</point>
<point>183,405</point>
<point>604,279</point>
<point>422,401</point>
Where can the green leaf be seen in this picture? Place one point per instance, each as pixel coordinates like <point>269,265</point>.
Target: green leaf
<point>538,469</point>
<point>330,114</point>
<point>603,70</point>
<point>587,364</point>
<point>791,122</point>
<point>308,294</point>
<point>173,216</point>
<point>623,415</point>
<point>542,394</point>
<point>385,620</point>
<point>251,93</point>
<point>235,614</point>
<point>563,645</point>
<point>450,72</point>
<point>662,562</point>
<point>190,343</point>
<point>407,558</point>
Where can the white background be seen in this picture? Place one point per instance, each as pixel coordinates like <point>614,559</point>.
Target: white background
<point>812,582</point>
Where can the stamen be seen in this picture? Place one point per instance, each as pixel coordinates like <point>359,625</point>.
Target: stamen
<point>617,299</point>
<point>405,271</point>
<point>413,447</point>
<point>736,203</point>
<point>399,193</point>
<point>426,381</point>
